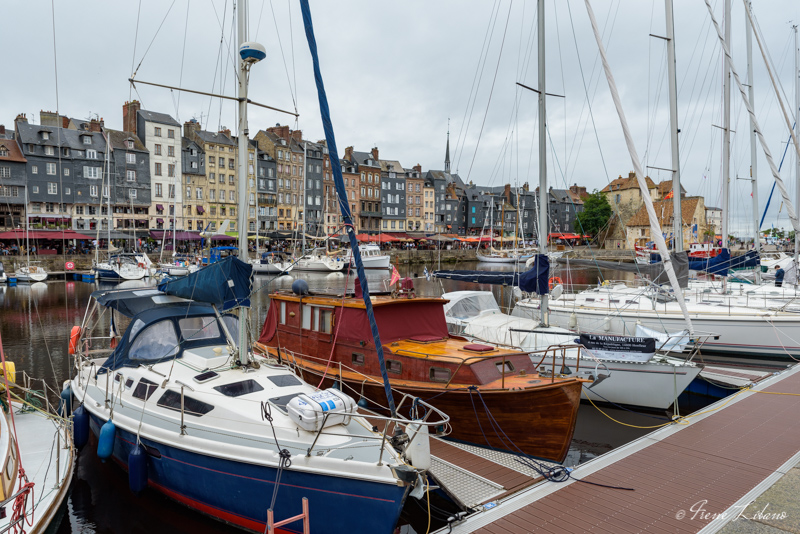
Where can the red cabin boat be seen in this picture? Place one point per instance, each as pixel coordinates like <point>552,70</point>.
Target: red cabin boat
<point>494,396</point>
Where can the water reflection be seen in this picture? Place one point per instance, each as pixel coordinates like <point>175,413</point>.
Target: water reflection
<point>35,322</point>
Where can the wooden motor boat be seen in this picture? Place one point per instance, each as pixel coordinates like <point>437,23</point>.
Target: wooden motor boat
<point>494,396</point>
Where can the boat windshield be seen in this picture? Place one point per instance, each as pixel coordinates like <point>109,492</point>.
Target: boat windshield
<point>471,305</point>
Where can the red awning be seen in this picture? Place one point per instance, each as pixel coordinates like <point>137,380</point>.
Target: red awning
<point>385,238</point>
<point>364,238</point>
<point>43,234</point>
<point>563,236</point>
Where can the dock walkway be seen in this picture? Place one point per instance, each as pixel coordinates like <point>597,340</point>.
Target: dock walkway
<point>693,477</point>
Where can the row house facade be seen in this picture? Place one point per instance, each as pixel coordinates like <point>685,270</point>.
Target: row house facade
<point>130,182</point>
<point>367,215</point>
<point>415,211</point>
<point>195,180</point>
<point>393,196</point>
<point>13,180</point>
<point>66,172</point>
<point>283,145</point>
<point>315,188</point>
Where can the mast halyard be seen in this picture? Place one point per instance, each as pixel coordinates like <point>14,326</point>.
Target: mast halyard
<point>726,131</point>
<point>797,159</point>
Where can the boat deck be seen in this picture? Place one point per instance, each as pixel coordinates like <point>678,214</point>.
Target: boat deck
<point>689,477</point>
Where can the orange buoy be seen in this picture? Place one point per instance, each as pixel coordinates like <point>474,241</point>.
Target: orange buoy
<point>553,281</point>
<point>74,336</point>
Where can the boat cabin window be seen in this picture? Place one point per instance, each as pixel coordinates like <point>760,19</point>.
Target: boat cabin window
<point>507,367</point>
<point>283,313</point>
<point>232,324</point>
<point>156,342</point>
<point>9,468</point>
<point>237,389</point>
<point>358,358</point>
<point>283,381</point>
<point>307,312</point>
<point>194,328</point>
<point>282,401</point>
<point>128,383</point>
<point>325,320</point>
<point>172,401</point>
<point>144,389</point>
<point>393,366</point>
<point>135,327</point>
<point>439,374</point>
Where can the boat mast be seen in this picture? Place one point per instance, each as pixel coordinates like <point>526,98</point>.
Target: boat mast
<point>726,130</point>
<point>241,35</point>
<point>542,155</point>
<point>796,117</point>
<point>753,153</point>
<point>677,224</point>
<point>108,197</point>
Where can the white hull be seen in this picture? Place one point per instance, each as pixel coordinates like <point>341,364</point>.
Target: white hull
<point>374,262</point>
<point>502,258</point>
<point>24,275</point>
<point>3,278</point>
<point>106,271</point>
<point>741,331</point>
<point>322,265</point>
<point>272,268</point>
<point>371,257</point>
<point>655,384</point>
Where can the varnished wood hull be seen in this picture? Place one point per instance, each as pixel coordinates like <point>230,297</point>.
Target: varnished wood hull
<point>537,421</point>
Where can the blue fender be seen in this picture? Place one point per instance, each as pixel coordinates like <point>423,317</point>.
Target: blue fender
<point>80,424</point>
<point>137,469</point>
<point>105,443</point>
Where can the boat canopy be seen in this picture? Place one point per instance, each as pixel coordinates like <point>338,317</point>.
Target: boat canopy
<point>166,332</point>
<point>534,280</point>
<point>723,261</point>
<point>131,302</point>
<point>465,305</point>
<point>226,284</point>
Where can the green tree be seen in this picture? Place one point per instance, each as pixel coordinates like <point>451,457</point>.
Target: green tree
<point>595,215</point>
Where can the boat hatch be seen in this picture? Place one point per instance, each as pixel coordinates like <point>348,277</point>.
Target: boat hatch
<point>282,401</point>
<point>206,357</point>
<point>237,389</point>
<point>477,347</point>
<point>425,339</point>
<point>283,381</point>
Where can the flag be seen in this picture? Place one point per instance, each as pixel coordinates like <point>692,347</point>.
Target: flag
<point>113,333</point>
<point>669,195</point>
<point>395,276</point>
<point>427,274</point>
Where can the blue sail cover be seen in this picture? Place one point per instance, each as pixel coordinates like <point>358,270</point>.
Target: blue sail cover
<point>719,264</point>
<point>751,260</point>
<point>534,280</point>
<point>226,284</point>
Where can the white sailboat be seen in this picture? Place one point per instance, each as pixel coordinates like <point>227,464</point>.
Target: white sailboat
<point>30,271</point>
<point>372,256</point>
<point>226,428</point>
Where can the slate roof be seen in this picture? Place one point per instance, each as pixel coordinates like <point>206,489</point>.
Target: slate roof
<point>566,196</point>
<point>663,209</point>
<point>161,118</point>
<point>448,177</point>
<point>362,157</point>
<point>391,166</point>
<point>30,133</point>
<point>215,138</point>
<point>118,139</point>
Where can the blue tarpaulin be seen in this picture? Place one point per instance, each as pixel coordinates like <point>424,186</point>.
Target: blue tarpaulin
<point>226,284</point>
<point>535,280</point>
<point>719,264</point>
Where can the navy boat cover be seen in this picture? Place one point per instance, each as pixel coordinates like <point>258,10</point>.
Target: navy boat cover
<point>534,280</point>
<point>226,284</point>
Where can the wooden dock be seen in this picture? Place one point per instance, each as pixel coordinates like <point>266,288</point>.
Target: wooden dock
<point>695,476</point>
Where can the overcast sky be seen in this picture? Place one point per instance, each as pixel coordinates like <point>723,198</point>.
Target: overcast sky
<point>396,72</point>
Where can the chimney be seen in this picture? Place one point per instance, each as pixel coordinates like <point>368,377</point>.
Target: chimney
<point>129,112</point>
<point>507,193</point>
<point>280,131</point>
<point>297,135</point>
<point>21,118</point>
<point>418,168</point>
<point>348,154</point>
<point>525,187</point>
<point>48,118</point>
<point>2,130</point>
<point>375,154</point>
<point>190,128</point>
<point>96,125</point>
<point>225,131</point>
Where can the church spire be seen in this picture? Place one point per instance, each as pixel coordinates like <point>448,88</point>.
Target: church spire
<point>447,153</point>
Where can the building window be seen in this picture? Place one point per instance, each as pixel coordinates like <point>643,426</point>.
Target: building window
<point>171,134</point>
<point>52,188</point>
<point>171,192</point>
<point>91,153</point>
<point>132,193</point>
<point>91,172</point>
<point>129,144</point>
<point>171,150</point>
<point>131,176</point>
<point>50,168</point>
<point>171,170</point>
<point>93,191</point>
<point>157,131</point>
<point>87,140</point>
<point>158,169</point>
<point>199,193</point>
<point>34,169</point>
<point>48,151</point>
<point>130,158</point>
<point>158,192</point>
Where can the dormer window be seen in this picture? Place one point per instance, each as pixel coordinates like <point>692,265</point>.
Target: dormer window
<point>87,140</point>
<point>45,135</point>
<point>3,152</point>
<point>129,144</point>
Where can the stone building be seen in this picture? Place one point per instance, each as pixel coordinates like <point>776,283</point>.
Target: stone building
<point>693,215</point>
<point>13,180</point>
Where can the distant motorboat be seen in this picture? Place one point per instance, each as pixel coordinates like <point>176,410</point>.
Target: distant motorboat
<point>371,256</point>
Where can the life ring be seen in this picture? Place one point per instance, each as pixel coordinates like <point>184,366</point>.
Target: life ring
<point>74,336</point>
<point>554,280</point>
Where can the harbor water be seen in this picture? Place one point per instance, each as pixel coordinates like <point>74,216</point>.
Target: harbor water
<point>35,323</point>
